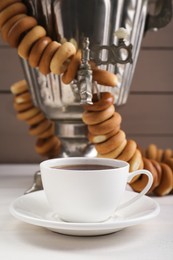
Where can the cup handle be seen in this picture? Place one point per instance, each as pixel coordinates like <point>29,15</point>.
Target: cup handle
<point>143,192</point>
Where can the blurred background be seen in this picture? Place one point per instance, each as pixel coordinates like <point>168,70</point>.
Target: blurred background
<point>147,115</point>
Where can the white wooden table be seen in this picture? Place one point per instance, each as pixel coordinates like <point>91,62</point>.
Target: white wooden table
<point>150,240</point>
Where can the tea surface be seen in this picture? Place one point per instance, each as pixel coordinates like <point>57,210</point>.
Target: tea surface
<point>84,167</point>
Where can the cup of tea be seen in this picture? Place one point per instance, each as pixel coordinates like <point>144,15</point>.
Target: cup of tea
<point>81,189</point>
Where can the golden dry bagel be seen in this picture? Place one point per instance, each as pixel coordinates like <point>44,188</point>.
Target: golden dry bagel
<point>166,182</point>
<point>111,144</point>
<point>17,30</point>
<point>46,145</point>
<point>27,114</point>
<point>36,119</point>
<point>105,127</point>
<point>114,153</point>
<point>72,68</point>
<point>20,107</point>
<point>5,3</point>
<point>10,11</point>
<point>19,87</point>
<point>7,26</point>
<point>40,128</point>
<point>104,77</point>
<point>93,118</point>
<point>128,151</point>
<point>54,152</point>
<point>151,152</point>
<point>29,39</point>
<point>169,161</point>
<point>106,99</point>
<point>61,57</point>
<point>95,139</point>
<point>44,64</point>
<point>50,131</point>
<point>158,169</point>
<point>23,97</point>
<point>167,153</point>
<point>141,182</point>
<point>159,156</point>
<point>135,161</point>
<point>37,51</point>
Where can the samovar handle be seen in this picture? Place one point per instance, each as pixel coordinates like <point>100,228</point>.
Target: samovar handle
<point>161,17</point>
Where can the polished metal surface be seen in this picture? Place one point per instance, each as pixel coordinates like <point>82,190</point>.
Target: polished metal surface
<point>97,20</point>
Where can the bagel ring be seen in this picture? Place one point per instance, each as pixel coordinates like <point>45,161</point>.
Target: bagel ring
<point>30,38</point>
<point>113,154</point>
<point>50,131</point>
<point>93,118</point>
<point>36,119</point>
<point>19,87</point>
<point>104,77</point>
<point>10,11</point>
<point>166,183</point>
<point>95,139</point>
<point>44,63</point>
<point>25,115</point>
<point>151,152</point>
<point>106,99</point>
<point>37,51</point>
<point>20,27</point>
<point>39,128</point>
<point>128,151</point>
<point>135,161</point>
<point>20,107</point>
<point>111,144</point>
<point>61,56</point>
<point>105,127</point>
<point>142,181</point>
<point>6,3</point>
<point>72,68</point>
<point>23,97</point>
<point>43,146</point>
<point>7,26</point>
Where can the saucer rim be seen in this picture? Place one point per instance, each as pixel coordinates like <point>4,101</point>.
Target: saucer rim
<point>61,225</point>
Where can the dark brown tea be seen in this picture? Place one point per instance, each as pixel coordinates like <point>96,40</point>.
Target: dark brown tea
<point>83,167</point>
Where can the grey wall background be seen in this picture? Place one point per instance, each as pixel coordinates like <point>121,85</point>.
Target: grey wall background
<point>147,116</point>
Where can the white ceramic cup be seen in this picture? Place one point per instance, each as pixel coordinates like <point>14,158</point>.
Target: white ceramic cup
<point>88,195</point>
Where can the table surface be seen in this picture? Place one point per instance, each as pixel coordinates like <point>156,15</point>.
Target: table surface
<point>152,239</point>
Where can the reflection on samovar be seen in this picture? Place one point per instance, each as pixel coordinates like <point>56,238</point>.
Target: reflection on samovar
<point>91,25</point>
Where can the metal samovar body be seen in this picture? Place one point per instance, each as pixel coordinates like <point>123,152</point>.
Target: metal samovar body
<point>74,20</point>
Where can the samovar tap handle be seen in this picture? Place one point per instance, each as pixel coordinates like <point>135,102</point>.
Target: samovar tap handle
<point>84,75</point>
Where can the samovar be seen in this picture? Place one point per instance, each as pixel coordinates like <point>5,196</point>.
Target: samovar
<point>109,32</point>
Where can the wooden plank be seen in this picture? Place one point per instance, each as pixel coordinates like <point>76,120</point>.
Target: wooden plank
<point>154,71</point>
<point>148,115</point>
<point>10,68</point>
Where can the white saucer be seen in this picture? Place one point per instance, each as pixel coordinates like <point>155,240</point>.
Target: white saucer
<point>33,208</point>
